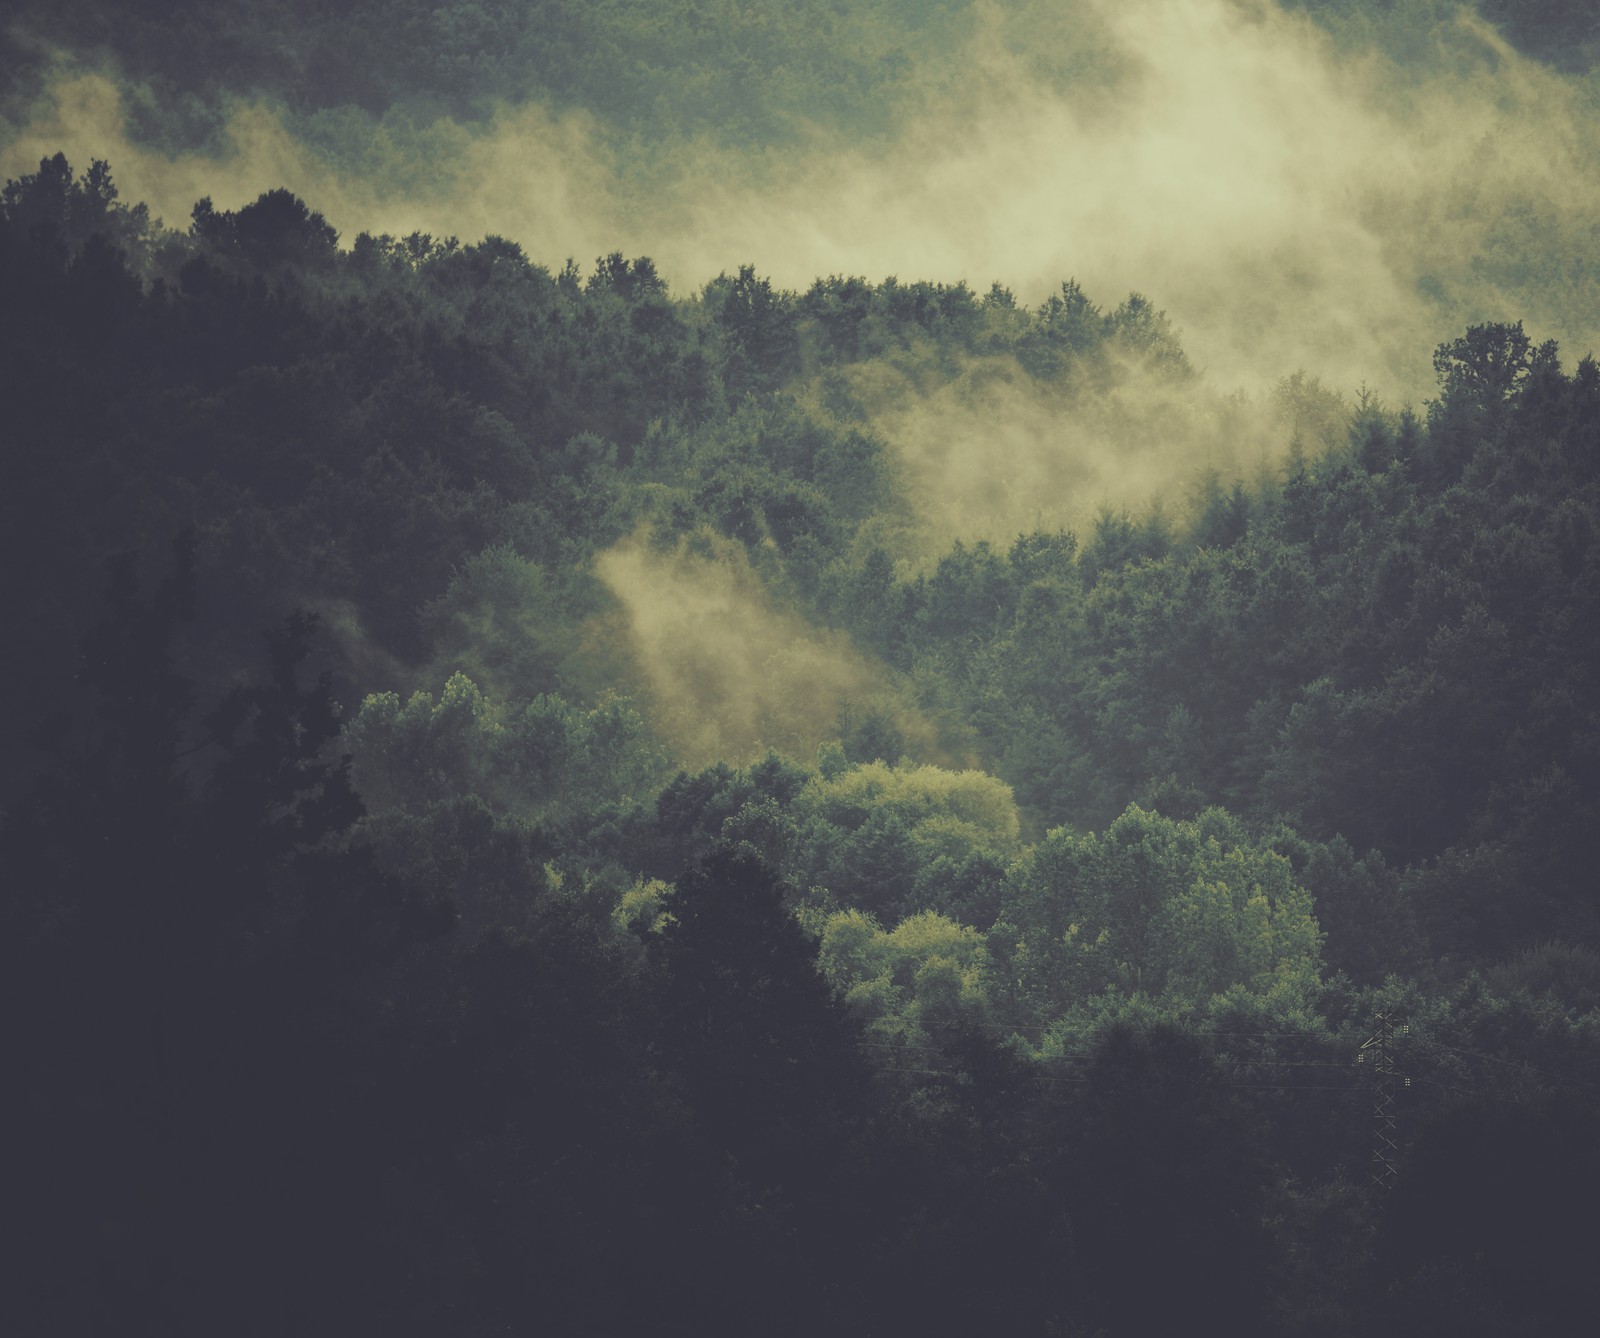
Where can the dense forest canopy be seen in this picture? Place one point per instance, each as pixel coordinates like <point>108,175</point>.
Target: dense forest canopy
<point>712,794</point>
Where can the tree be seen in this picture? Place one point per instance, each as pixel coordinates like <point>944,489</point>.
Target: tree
<point>925,979</point>
<point>186,947</point>
<point>632,281</point>
<point>1067,328</point>
<point>1166,1190</point>
<point>48,208</point>
<point>1485,367</point>
<point>277,229</point>
<point>1480,376</point>
<point>761,325</point>
<point>1490,1230</point>
<point>893,840</point>
<point>1181,909</point>
<point>766,1050</point>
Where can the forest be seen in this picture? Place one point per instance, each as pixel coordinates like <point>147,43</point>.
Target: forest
<point>552,797</point>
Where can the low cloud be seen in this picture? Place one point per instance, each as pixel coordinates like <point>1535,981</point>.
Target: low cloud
<point>992,453</point>
<point>727,674</point>
<point>1290,200</point>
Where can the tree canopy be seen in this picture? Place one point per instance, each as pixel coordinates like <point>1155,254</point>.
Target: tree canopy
<point>385,946</point>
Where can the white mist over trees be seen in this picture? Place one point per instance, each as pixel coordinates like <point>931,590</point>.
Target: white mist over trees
<point>1298,198</point>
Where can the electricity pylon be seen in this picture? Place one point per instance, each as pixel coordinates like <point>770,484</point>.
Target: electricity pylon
<point>1377,1053</point>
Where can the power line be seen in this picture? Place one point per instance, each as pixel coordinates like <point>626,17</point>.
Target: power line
<point>1448,1087</point>
<point>1511,1063</point>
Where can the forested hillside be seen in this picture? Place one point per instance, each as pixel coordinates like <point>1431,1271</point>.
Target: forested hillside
<point>544,798</point>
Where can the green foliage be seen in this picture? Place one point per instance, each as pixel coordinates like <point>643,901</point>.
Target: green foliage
<point>499,1050</point>
<point>1370,926</point>
<point>501,617</point>
<point>1179,909</point>
<point>911,983</point>
<point>55,211</point>
<point>278,229</point>
<point>719,804</point>
<point>1392,646</point>
<point>642,908</point>
<point>760,325</point>
<point>895,840</point>
<point>1567,973</point>
<point>542,759</point>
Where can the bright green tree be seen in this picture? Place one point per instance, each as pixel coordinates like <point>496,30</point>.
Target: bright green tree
<point>1156,907</point>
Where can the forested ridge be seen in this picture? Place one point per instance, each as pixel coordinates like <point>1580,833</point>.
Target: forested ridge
<point>524,815</point>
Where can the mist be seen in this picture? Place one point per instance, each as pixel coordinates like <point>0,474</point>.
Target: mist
<point>991,453</point>
<point>1293,202</point>
<point>726,673</point>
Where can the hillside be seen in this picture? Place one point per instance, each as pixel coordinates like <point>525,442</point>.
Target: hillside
<point>611,795</point>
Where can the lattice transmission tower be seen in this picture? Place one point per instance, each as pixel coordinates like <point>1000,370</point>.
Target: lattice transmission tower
<point>1377,1054</point>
